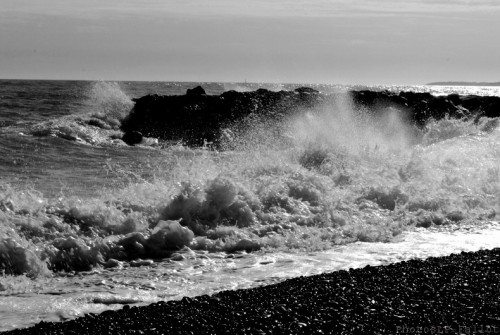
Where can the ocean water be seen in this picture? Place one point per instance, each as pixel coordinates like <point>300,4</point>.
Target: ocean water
<point>84,218</point>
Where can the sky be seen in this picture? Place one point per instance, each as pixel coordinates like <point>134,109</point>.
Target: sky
<point>281,41</point>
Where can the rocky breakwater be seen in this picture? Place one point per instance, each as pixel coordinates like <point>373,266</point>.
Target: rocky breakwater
<point>420,107</point>
<point>197,118</point>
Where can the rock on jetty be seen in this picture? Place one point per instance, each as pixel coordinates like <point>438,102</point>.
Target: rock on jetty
<point>196,118</point>
<point>456,294</point>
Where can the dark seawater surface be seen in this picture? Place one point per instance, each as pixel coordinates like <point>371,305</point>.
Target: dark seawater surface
<point>84,218</point>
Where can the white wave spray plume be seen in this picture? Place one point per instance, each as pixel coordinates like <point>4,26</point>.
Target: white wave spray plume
<point>108,103</point>
<point>338,125</point>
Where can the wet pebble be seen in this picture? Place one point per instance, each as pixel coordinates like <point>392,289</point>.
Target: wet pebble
<point>141,262</point>
<point>113,263</point>
<point>451,292</point>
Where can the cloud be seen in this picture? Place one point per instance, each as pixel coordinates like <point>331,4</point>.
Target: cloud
<point>427,5</point>
<point>98,9</point>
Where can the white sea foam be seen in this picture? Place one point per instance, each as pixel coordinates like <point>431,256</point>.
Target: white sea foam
<point>103,109</point>
<point>343,177</point>
<point>341,189</point>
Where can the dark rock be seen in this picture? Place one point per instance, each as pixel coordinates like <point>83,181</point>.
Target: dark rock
<point>197,118</point>
<point>132,137</point>
<point>198,90</point>
<point>307,90</point>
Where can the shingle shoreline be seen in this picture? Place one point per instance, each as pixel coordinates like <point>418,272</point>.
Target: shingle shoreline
<point>456,294</point>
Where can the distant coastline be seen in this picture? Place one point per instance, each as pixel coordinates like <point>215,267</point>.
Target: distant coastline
<point>463,83</point>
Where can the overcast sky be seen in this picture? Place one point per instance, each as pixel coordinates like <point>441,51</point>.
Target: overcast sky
<point>301,41</point>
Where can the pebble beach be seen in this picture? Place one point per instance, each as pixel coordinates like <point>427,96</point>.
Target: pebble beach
<point>456,294</point>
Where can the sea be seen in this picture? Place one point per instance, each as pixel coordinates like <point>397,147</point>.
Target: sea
<point>83,225</point>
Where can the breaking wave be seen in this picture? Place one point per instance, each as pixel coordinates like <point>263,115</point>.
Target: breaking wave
<point>103,109</point>
<point>337,176</point>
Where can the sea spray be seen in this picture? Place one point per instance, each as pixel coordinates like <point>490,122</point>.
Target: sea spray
<point>98,120</point>
<point>107,104</point>
<point>312,196</point>
<point>88,226</point>
<point>339,125</point>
